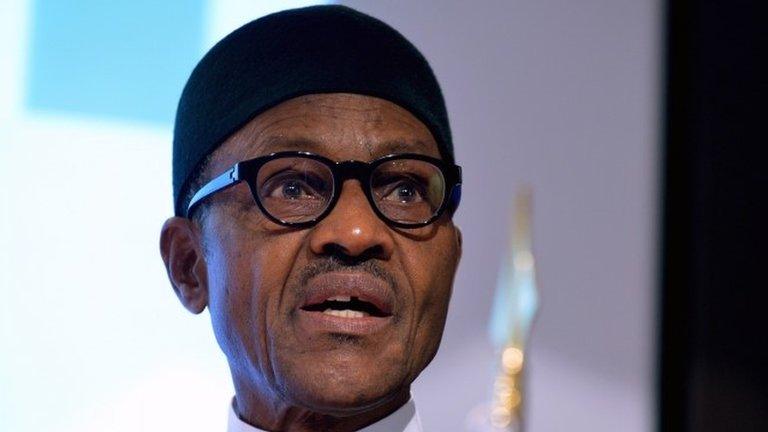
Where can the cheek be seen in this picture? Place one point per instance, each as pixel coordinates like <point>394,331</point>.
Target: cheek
<point>247,270</point>
<point>233,307</point>
<point>431,266</point>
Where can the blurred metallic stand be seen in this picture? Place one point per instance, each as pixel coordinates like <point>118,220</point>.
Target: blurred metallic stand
<point>514,311</point>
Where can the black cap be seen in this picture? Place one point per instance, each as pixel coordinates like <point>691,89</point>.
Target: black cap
<point>318,49</point>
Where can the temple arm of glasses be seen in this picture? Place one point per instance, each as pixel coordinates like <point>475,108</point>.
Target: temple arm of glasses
<point>223,181</point>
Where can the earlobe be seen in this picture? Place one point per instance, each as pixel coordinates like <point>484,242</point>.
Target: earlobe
<point>182,254</point>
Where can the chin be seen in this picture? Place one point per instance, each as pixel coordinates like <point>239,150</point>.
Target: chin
<point>345,387</point>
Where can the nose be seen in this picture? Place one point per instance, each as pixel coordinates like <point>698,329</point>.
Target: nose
<point>352,228</point>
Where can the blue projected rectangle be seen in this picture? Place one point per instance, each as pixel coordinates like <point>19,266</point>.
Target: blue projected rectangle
<point>125,59</point>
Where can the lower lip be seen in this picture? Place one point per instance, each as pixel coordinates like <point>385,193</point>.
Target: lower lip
<point>319,322</point>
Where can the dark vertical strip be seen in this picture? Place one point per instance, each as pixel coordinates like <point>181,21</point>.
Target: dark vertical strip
<point>676,232</point>
<point>714,344</point>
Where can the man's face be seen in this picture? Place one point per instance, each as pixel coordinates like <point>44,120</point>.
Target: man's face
<point>262,276</point>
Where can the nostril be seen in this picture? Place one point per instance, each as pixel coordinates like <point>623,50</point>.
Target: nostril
<point>344,256</point>
<point>333,249</point>
<point>341,254</point>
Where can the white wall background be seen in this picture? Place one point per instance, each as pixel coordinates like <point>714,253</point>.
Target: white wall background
<point>558,94</point>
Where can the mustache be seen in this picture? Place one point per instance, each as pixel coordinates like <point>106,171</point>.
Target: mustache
<point>331,264</point>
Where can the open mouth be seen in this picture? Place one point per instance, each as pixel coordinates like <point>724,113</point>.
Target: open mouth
<point>347,307</point>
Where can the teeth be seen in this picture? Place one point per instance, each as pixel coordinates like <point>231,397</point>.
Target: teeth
<point>346,313</point>
<point>340,298</point>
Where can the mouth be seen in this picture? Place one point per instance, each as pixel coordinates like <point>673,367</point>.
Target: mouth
<point>345,306</point>
<point>346,303</point>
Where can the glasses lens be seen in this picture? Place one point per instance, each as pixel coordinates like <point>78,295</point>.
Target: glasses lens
<point>408,190</point>
<point>295,189</point>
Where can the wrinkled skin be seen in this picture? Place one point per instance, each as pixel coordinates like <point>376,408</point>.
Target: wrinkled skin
<point>248,271</point>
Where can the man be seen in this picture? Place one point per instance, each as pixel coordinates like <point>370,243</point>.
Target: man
<point>314,186</point>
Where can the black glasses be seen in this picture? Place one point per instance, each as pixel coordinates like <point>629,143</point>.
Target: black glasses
<point>299,189</point>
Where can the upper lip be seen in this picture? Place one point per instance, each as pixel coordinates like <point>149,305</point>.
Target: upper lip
<point>363,285</point>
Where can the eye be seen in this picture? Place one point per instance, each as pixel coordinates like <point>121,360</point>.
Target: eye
<point>403,190</point>
<point>291,190</point>
<point>293,186</point>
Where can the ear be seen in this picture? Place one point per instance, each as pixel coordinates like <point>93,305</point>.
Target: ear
<point>459,242</point>
<point>181,250</point>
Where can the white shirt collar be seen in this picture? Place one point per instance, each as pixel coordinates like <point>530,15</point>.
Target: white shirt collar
<point>404,419</point>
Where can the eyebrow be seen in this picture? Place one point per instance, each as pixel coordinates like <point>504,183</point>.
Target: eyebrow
<point>273,144</point>
<point>397,146</point>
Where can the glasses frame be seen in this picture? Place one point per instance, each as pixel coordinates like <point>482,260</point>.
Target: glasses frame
<point>247,171</point>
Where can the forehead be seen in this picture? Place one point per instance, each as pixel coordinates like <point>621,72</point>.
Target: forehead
<point>339,126</point>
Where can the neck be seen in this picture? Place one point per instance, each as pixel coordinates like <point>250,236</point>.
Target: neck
<point>276,415</point>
